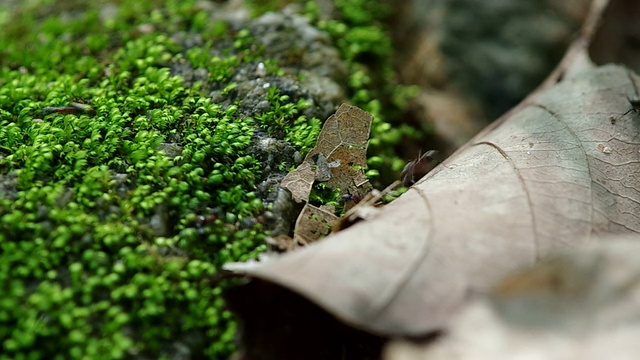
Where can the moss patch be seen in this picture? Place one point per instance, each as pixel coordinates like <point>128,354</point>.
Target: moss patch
<point>109,241</point>
<point>115,221</point>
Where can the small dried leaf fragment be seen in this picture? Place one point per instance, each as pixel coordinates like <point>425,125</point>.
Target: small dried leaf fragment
<point>313,224</point>
<point>365,209</point>
<point>300,181</point>
<point>323,167</point>
<point>341,152</point>
<point>337,160</point>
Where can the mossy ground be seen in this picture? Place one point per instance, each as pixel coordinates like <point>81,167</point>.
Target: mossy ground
<point>110,245</point>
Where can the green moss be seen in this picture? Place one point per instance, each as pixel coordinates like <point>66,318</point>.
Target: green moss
<point>259,7</point>
<point>285,119</point>
<point>109,244</point>
<point>85,272</point>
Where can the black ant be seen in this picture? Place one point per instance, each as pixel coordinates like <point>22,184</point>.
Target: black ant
<point>635,105</point>
<point>635,108</point>
<point>350,200</point>
<point>419,167</point>
<point>635,101</point>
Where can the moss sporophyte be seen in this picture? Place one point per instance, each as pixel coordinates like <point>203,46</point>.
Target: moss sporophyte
<point>139,143</point>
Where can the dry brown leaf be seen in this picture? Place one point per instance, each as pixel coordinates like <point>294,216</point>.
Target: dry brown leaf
<point>535,184</point>
<point>582,305</point>
<point>337,158</point>
<point>550,174</point>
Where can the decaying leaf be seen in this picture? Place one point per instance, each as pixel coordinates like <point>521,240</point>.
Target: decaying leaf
<point>323,167</point>
<point>536,184</point>
<point>300,181</point>
<point>580,305</point>
<point>337,158</point>
<point>313,223</point>
<point>365,209</point>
